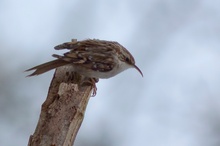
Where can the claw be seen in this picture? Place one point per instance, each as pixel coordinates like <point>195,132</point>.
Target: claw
<point>92,82</point>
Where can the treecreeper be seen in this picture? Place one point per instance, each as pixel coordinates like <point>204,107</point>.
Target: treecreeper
<point>92,58</point>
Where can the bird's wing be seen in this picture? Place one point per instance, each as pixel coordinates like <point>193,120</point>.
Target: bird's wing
<point>96,55</point>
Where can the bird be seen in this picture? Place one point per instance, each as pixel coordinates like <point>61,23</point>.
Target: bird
<point>92,58</point>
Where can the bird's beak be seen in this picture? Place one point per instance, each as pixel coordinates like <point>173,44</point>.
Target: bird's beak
<point>138,70</point>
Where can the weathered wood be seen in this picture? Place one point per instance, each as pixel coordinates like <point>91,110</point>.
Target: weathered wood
<point>63,111</point>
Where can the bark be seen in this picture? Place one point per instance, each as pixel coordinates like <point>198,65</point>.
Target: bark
<point>63,111</point>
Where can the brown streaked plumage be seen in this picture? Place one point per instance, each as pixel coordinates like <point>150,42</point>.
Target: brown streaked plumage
<point>91,58</point>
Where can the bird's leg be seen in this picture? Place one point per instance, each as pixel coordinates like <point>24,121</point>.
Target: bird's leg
<point>92,82</point>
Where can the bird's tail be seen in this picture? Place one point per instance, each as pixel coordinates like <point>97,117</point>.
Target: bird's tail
<point>42,68</point>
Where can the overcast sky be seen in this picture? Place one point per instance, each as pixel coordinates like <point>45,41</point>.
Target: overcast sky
<point>175,44</point>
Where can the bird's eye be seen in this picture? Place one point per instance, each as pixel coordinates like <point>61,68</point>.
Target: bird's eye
<point>127,59</point>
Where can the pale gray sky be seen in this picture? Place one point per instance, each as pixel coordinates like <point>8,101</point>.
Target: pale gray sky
<point>175,43</point>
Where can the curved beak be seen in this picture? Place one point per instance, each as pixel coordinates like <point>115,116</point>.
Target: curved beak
<point>138,70</point>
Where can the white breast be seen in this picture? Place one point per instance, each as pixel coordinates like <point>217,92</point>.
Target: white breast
<point>116,70</point>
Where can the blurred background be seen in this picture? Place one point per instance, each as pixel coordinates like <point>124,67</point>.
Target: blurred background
<point>176,44</point>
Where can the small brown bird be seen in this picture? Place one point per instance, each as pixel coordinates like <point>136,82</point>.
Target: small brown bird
<point>92,58</point>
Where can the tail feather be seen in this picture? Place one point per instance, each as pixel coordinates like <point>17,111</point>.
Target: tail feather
<point>42,68</point>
